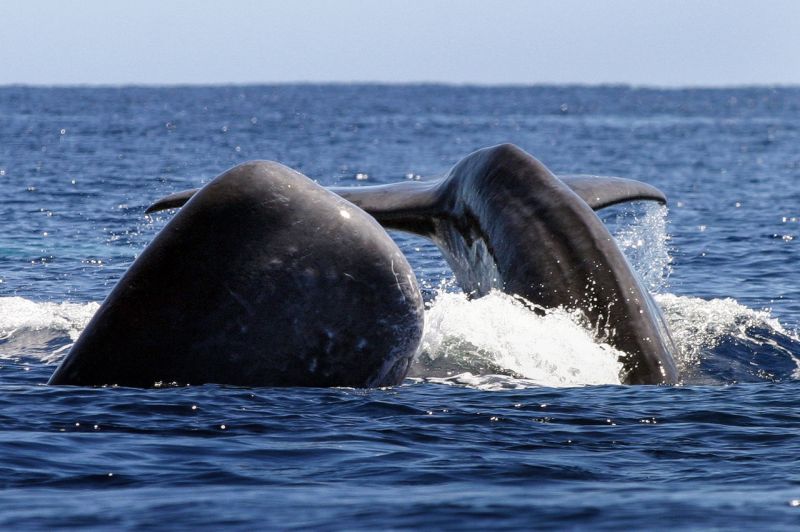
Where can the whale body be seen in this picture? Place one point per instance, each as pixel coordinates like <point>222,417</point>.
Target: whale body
<point>263,279</point>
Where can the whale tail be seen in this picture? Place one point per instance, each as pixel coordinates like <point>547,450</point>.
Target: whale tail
<point>503,221</point>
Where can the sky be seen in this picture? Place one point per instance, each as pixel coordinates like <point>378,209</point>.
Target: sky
<point>664,43</point>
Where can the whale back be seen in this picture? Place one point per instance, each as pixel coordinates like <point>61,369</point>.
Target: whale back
<point>264,278</point>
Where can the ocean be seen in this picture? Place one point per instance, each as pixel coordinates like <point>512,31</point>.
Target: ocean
<point>517,421</point>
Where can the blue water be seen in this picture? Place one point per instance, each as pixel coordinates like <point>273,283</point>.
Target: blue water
<point>526,425</point>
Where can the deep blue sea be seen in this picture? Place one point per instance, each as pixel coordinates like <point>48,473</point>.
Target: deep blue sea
<point>523,425</point>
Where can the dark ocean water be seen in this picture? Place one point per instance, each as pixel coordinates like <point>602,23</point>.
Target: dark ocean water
<point>528,427</point>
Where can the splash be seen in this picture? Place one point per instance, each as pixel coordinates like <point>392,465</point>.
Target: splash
<point>497,342</point>
<point>700,326</point>
<point>498,335</point>
<point>40,330</point>
<point>640,230</point>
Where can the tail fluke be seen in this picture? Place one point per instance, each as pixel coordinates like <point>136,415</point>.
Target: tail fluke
<point>602,191</point>
<point>392,204</point>
<point>173,201</point>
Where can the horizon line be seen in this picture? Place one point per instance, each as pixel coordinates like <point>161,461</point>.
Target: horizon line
<point>480,85</point>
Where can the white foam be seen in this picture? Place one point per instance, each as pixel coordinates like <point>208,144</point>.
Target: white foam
<point>27,327</point>
<point>498,334</point>
<point>699,324</point>
<point>17,313</point>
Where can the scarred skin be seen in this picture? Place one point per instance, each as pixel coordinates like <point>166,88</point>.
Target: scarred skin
<point>263,279</point>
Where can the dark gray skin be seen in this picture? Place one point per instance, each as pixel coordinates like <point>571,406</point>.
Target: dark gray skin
<point>263,279</point>
<point>504,221</point>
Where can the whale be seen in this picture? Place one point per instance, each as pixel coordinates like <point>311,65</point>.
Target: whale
<point>264,278</point>
<point>504,221</point>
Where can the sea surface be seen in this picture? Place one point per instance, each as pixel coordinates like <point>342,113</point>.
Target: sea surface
<point>514,420</point>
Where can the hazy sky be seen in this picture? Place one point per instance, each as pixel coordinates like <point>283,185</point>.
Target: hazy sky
<point>643,42</point>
